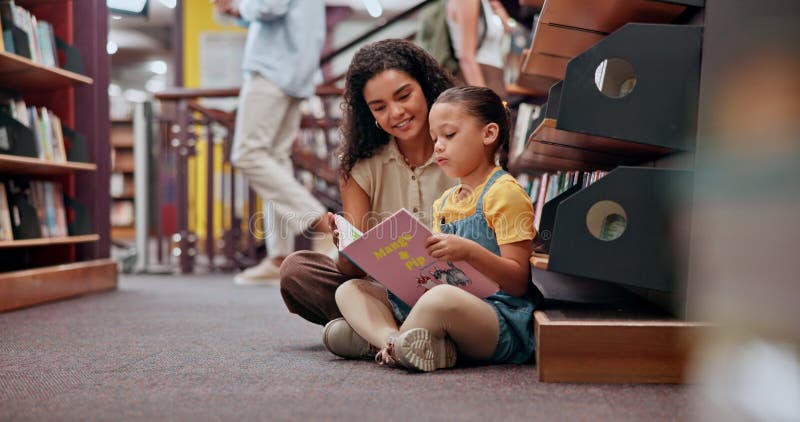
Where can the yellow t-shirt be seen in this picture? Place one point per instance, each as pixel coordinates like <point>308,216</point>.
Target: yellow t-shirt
<point>506,207</point>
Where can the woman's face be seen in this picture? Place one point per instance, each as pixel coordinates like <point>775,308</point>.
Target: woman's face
<point>398,104</point>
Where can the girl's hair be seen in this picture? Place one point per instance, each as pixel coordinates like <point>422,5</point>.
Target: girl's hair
<point>486,106</point>
<point>361,138</point>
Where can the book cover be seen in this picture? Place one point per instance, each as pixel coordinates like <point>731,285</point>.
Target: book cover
<point>394,254</point>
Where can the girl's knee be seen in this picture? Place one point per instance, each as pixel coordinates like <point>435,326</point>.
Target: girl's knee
<point>351,288</point>
<point>442,298</point>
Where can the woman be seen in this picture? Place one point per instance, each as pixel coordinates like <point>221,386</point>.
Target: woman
<point>386,164</point>
<point>476,31</point>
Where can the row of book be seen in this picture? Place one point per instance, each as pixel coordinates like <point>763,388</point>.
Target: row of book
<point>549,185</point>
<point>31,209</point>
<point>38,41</point>
<point>528,117</point>
<point>44,125</point>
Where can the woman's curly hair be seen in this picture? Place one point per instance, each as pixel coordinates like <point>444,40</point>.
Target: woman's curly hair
<point>361,138</point>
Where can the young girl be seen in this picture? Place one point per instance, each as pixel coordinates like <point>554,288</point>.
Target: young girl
<point>485,221</point>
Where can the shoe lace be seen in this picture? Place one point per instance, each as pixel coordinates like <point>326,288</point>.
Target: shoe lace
<point>386,355</point>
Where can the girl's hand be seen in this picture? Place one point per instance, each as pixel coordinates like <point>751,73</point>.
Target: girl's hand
<point>449,247</point>
<point>334,230</point>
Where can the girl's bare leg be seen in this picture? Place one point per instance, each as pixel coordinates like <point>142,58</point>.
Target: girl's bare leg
<point>366,308</point>
<point>449,311</point>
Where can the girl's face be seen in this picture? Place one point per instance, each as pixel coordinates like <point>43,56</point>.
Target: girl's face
<point>463,143</point>
<point>398,104</point>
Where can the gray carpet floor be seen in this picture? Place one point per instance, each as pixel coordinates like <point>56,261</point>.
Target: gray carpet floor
<point>200,348</point>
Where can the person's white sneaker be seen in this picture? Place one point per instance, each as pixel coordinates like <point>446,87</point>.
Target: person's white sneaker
<point>264,273</point>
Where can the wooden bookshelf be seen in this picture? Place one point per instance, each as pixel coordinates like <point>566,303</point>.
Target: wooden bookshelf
<point>35,271</point>
<point>516,89</point>
<point>123,233</point>
<point>122,134</point>
<point>552,149</point>
<point>613,345</point>
<point>608,15</point>
<point>47,241</point>
<point>123,161</point>
<point>34,166</point>
<point>31,3</point>
<point>603,330</point>
<point>21,74</point>
<point>122,144</point>
<point>540,261</point>
<point>566,28</point>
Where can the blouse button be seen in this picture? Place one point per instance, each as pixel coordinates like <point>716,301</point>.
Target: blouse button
<point>416,209</point>
<point>413,177</point>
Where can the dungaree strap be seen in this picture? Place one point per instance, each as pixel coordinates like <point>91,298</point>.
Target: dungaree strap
<point>444,201</point>
<point>495,176</point>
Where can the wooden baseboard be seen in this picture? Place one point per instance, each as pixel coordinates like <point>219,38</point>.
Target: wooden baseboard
<point>19,289</point>
<point>605,347</point>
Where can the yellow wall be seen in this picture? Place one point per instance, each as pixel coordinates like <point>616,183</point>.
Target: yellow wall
<point>198,18</point>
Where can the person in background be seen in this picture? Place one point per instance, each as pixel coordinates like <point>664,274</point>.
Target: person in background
<point>486,221</point>
<point>387,163</point>
<point>476,32</point>
<point>281,68</point>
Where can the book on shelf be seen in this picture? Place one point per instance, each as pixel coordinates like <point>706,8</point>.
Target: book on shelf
<point>6,232</point>
<point>117,184</point>
<point>547,186</point>
<point>394,254</point>
<point>44,126</point>
<point>38,38</point>
<point>35,208</point>
<point>527,114</point>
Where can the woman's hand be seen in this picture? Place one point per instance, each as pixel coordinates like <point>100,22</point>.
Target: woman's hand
<point>228,7</point>
<point>334,230</point>
<point>501,12</point>
<point>449,247</point>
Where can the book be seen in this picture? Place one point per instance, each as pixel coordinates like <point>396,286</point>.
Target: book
<point>394,254</point>
<point>5,215</point>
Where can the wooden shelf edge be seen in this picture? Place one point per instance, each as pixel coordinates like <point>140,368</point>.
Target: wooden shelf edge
<point>30,287</point>
<point>575,143</point>
<point>540,261</point>
<point>614,351</point>
<point>47,241</point>
<point>30,165</point>
<point>516,89</point>
<point>27,64</point>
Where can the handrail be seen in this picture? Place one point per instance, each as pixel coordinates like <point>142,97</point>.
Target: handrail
<point>213,114</point>
<point>328,57</point>
<point>175,93</point>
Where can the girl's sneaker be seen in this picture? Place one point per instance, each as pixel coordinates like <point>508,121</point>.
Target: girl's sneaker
<point>340,339</point>
<point>417,349</point>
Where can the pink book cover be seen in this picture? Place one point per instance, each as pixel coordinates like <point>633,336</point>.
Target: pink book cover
<point>394,254</point>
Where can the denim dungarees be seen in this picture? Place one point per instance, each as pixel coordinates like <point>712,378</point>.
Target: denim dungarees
<point>515,314</point>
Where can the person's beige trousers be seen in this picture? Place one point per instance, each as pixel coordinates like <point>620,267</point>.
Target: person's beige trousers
<point>267,122</point>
